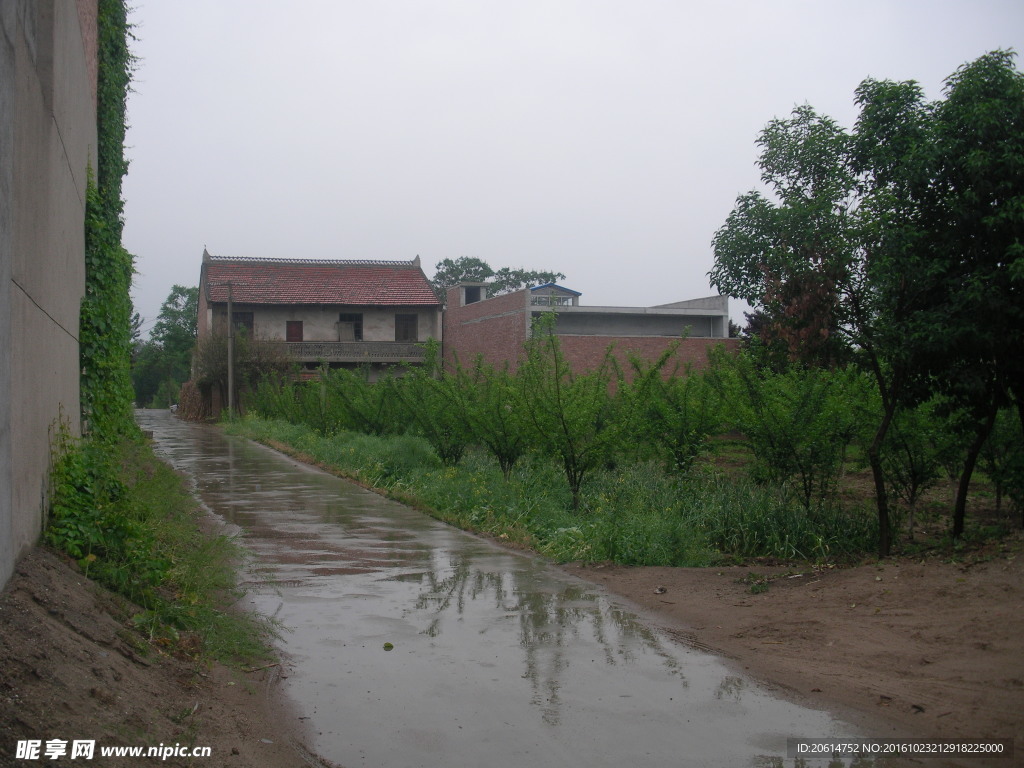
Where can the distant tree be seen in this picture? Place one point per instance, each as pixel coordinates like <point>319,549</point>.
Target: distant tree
<point>450,272</point>
<point>162,363</point>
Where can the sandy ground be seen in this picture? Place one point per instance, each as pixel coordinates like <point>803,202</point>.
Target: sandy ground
<point>913,649</point>
<point>905,649</point>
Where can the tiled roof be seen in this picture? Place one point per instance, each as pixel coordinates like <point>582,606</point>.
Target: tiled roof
<point>306,281</point>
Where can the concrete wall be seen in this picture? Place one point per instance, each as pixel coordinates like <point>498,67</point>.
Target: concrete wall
<point>621,324</point>
<point>47,143</point>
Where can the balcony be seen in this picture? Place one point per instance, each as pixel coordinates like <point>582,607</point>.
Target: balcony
<point>352,351</point>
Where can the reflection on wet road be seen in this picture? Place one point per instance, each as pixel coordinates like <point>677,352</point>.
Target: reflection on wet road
<point>493,658</point>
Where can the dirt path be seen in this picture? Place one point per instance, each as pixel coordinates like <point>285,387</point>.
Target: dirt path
<point>907,649</point>
<point>911,649</point>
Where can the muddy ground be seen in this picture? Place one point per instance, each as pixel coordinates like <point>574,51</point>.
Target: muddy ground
<point>915,648</point>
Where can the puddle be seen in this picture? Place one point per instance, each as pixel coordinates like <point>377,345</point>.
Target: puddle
<point>493,659</point>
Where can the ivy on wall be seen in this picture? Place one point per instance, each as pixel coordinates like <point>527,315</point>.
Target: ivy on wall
<point>105,323</point>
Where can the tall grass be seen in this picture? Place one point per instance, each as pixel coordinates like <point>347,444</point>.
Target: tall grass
<point>135,528</point>
<point>633,513</point>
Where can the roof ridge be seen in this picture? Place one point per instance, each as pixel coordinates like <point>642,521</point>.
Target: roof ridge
<point>314,262</point>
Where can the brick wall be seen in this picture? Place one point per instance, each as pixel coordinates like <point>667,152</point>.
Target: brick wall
<point>587,352</point>
<point>494,328</point>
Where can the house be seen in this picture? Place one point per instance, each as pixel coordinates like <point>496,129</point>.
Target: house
<point>496,328</point>
<point>339,313</point>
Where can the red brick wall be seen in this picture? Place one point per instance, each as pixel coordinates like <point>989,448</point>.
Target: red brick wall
<point>586,352</point>
<point>494,328</point>
<point>497,329</point>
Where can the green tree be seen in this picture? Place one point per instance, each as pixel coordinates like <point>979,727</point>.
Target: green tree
<point>903,238</point>
<point>678,414</point>
<point>450,272</point>
<point>571,415</point>
<point>972,339</point>
<point>165,361</point>
<point>433,407</point>
<point>494,415</point>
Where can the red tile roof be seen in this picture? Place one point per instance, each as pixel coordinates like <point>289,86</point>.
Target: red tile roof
<point>306,281</point>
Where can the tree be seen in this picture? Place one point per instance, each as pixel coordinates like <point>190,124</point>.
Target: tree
<point>161,364</point>
<point>451,272</point>
<point>571,415</point>
<point>677,414</point>
<point>913,224</point>
<point>974,353</point>
<point>494,416</point>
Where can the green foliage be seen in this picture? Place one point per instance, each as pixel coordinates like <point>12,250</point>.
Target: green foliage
<point>432,406</point>
<point>451,272</point>
<point>679,414</point>
<point>254,360</point>
<point>494,414</point>
<point>1002,459</point>
<point>800,423</point>
<point>570,414</point>
<point>105,325</point>
<point>902,239</point>
<point>913,453</point>
<point>161,364</point>
<point>132,525</point>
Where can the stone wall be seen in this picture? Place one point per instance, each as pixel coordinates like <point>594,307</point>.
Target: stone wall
<point>47,144</point>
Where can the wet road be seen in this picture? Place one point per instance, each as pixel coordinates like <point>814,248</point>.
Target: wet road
<point>496,659</point>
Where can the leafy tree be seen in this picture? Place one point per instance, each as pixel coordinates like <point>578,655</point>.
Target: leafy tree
<point>161,364</point>
<point>1002,459</point>
<point>903,239</point>
<point>433,408</point>
<point>972,338</point>
<point>913,454</point>
<point>451,272</point>
<point>493,414</point>
<point>800,423</point>
<point>678,414</point>
<point>254,360</point>
<point>571,415</point>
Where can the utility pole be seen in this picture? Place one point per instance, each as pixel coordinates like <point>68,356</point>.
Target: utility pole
<point>231,358</point>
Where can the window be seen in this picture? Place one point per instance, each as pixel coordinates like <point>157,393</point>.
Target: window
<point>242,321</point>
<point>293,330</point>
<point>405,328</point>
<point>350,326</point>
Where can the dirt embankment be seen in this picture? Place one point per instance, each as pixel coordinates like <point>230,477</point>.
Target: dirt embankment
<point>73,670</point>
<point>913,649</point>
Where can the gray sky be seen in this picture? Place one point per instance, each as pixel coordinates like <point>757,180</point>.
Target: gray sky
<point>605,139</point>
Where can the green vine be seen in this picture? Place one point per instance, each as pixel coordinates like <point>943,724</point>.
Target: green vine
<point>105,323</point>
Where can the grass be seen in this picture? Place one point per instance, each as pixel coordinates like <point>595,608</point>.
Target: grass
<point>132,525</point>
<point>631,514</point>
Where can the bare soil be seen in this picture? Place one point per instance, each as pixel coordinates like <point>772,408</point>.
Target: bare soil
<point>923,648</point>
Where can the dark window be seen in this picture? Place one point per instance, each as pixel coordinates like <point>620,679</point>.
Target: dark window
<point>242,321</point>
<point>294,330</point>
<point>472,294</point>
<point>405,328</point>
<point>350,326</point>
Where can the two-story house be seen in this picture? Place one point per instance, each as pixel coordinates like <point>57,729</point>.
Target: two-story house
<point>339,313</point>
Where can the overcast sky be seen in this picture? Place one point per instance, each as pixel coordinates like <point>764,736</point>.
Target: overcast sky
<point>605,139</point>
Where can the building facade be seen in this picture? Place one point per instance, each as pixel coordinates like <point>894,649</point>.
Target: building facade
<point>497,328</point>
<point>338,313</point>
